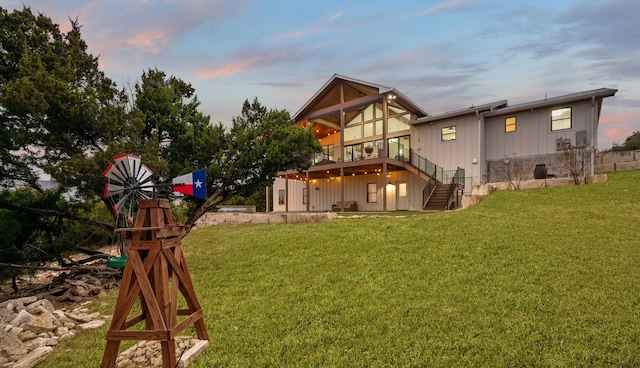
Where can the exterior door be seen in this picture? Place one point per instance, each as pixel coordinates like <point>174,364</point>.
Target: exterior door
<point>391,197</point>
<point>403,199</point>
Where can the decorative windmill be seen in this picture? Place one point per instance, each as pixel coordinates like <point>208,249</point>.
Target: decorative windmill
<point>155,273</point>
<point>129,181</point>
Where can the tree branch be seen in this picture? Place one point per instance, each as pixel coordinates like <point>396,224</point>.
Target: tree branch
<point>41,212</point>
<point>198,212</point>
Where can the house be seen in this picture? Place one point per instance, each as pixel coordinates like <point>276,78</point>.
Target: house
<point>383,152</point>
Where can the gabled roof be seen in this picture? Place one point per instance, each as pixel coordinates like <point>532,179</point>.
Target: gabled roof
<point>359,86</point>
<point>555,101</point>
<point>471,110</point>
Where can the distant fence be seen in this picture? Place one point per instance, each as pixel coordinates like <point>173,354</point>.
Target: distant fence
<point>617,161</point>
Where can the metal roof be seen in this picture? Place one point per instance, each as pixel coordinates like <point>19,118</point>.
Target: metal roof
<point>554,101</point>
<point>381,89</point>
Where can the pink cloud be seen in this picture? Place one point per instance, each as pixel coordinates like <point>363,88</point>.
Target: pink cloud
<point>231,68</point>
<point>615,133</point>
<point>151,40</point>
<point>619,119</point>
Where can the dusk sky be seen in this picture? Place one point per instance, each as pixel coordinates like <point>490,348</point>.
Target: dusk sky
<point>444,55</point>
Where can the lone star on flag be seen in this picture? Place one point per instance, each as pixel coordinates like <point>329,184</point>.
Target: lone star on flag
<point>198,183</point>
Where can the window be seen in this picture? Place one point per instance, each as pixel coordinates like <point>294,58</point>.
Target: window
<point>561,119</point>
<point>448,133</point>
<point>305,195</point>
<point>353,152</point>
<point>326,155</point>
<point>510,124</point>
<point>372,192</point>
<point>399,148</point>
<point>398,120</point>
<point>363,122</point>
<point>281,196</point>
<point>402,189</point>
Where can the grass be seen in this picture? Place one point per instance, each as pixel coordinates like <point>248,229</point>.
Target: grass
<point>546,277</point>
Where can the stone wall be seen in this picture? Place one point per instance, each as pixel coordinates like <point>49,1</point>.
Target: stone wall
<point>498,170</point>
<point>217,218</point>
<point>617,161</point>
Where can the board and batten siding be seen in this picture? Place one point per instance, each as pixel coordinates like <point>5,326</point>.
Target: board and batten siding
<point>355,189</point>
<point>533,135</point>
<point>461,152</point>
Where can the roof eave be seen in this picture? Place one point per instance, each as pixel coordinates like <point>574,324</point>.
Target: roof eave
<point>555,101</point>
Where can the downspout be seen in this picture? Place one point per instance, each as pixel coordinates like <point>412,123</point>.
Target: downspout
<point>594,135</point>
<point>482,161</point>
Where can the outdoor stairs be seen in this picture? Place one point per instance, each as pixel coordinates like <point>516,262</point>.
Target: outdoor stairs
<point>438,200</point>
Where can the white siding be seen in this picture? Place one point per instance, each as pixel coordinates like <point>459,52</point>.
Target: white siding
<point>355,189</point>
<point>451,154</point>
<point>533,135</point>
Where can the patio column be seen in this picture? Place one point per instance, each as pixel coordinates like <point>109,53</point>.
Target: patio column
<point>385,116</point>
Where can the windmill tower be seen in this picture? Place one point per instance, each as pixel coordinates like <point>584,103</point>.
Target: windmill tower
<point>155,275</point>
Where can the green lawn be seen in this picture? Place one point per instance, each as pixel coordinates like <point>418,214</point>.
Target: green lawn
<point>545,277</point>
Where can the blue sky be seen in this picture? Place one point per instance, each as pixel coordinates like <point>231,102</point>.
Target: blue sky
<point>444,55</point>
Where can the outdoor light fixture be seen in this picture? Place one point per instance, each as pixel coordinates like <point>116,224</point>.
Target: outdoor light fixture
<point>391,97</point>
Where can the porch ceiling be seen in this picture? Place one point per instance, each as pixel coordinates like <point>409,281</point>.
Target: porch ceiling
<point>350,169</point>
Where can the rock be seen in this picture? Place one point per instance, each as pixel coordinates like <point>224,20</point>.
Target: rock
<point>38,342</point>
<point>67,336</point>
<point>25,300</point>
<point>61,331</point>
<point>22,317</point>
<point>11,345</point>
<point>33,358</point>
<point>31,308</point>
<point>27,335</point>
<point>41,323</point>
<point>82,318</point>
<point>15,330</point>
<point>61,316</point>
<point>5,313</point>
<point>91,325</point>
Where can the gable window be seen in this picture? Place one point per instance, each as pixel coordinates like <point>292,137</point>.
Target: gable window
<point>372,192</point>
<point>510,125</point>
<point>448,133</point>
<point>561,119</point>
<point>398,120</point>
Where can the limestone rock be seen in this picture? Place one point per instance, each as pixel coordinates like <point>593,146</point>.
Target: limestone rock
<point>11,345</point>
<point>36,356</point>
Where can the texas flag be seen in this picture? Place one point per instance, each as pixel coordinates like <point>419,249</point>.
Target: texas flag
<point>193,184</point>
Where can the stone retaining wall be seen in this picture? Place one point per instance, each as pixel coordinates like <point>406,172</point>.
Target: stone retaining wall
<point>217,218</point>
<point>617,161</point>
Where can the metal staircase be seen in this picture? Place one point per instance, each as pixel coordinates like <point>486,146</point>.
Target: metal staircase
<point>440,193</point>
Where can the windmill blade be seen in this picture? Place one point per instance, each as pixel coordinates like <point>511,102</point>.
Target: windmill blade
<point>143,174</point>
<point>147,187</point>
<point>112,189</point>
<point>120,204</point>
<point>113,173</point>
<point>134,165</point>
